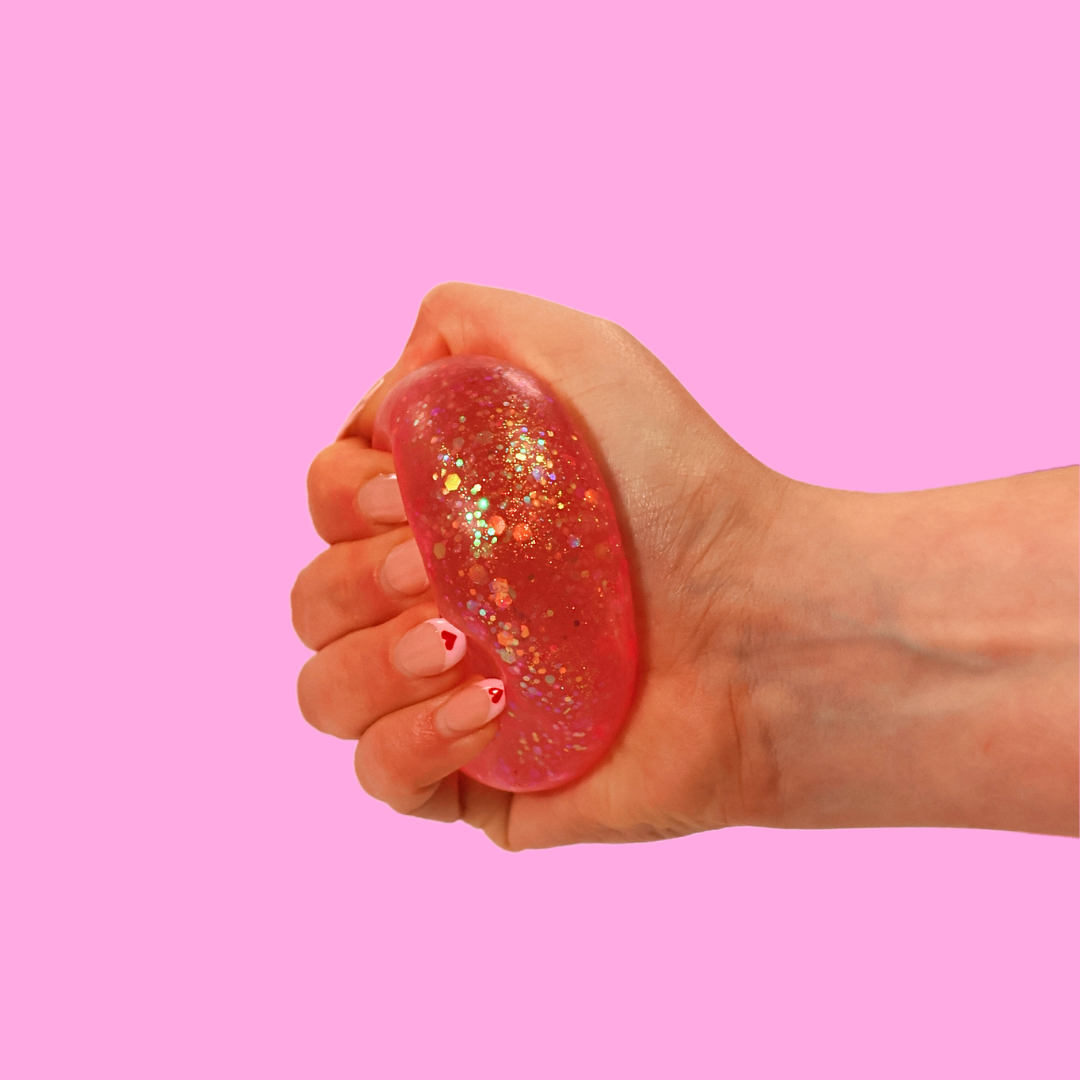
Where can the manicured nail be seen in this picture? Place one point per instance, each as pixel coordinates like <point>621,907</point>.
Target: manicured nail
<point>429,649</point>
<point>380,500</point>
<point>470,709</point>
<point>359,408</point>
<point>402,571</point>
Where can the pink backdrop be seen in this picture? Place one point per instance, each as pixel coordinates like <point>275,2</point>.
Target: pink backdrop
<point>850,228</point>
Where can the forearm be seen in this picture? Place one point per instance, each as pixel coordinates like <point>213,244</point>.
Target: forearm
<point>918,662</point>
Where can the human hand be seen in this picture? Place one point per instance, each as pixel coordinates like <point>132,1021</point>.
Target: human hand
<point>808,657</point>
<point>694,508</point>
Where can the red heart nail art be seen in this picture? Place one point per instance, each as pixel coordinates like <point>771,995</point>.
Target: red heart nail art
<point>495,693</point>
<point>448,639</point>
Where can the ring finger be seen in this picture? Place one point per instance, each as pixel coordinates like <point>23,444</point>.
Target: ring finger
<point>349,684</point>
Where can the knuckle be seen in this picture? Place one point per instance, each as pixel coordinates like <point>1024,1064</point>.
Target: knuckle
<point>300,608</point>
<point>387,767</point>
<point>437,802</point>
<point>451,301</point>
<point>371,770</point>
<point>352,576</point>
<point>443,294</point>
<point>499,838</point>
<point>309,694</point>
<point>323,702</point>
<point>319,472</point>
<point>622,339</point>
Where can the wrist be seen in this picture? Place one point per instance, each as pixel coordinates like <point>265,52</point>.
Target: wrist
<point>911,660</point>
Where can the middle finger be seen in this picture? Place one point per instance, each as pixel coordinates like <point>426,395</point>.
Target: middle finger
<point>357,584</point>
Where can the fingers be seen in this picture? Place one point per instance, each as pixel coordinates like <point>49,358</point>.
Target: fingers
<point>352,492</point>
<point>357,584</point>
<point>349,684</point>
<point>409,759</point>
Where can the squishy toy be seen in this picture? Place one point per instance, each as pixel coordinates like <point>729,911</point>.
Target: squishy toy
<point>522,548</point>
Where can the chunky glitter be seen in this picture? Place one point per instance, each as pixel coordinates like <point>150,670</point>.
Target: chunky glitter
<point>522,547</point>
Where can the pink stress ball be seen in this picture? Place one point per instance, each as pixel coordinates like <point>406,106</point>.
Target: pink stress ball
<point>521,545</point>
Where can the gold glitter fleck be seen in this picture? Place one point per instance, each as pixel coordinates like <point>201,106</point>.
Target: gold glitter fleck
<point>501,593</point>
<point>453,482</point>
<point>439,551</point>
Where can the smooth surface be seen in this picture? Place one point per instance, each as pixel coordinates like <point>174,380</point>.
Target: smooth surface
<point>850,229</point>
<point>522,547</point>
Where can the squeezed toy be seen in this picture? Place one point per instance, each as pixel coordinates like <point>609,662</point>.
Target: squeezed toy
<point>519,536</point>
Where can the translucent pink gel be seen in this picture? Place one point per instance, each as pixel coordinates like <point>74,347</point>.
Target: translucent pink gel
<point>521,545</point>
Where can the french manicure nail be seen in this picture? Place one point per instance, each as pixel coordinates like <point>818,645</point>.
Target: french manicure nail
<point>379,500</point>
<point>470,709</point>
<point>402,571</point>
<point>359,408</point>
<point>429,649</point>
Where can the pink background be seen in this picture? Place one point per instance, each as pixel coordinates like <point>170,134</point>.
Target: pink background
<point>850,228</point>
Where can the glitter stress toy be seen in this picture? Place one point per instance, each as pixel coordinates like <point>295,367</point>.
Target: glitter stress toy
<point>519,537</point>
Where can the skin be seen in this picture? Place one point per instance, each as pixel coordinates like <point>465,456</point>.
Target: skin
<point>810,658</point>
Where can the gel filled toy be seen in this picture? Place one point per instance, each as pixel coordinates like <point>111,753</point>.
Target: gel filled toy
<point>521,545</point>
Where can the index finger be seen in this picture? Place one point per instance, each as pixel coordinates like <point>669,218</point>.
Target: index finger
<point>557,343</point>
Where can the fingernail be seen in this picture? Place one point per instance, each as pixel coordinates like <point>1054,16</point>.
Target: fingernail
<point>380,500</point>
<point>402,571</point>
<point>359,408</point>
<point>429,649</point>
<point>478,704</point>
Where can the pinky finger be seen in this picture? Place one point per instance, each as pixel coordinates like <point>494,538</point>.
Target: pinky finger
<point>409,759</point>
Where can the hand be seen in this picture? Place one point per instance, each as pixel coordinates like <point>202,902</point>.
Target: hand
<point>693,507</point>
<point>806,660</point>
